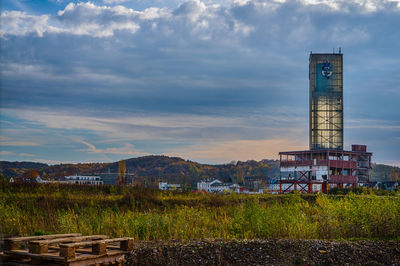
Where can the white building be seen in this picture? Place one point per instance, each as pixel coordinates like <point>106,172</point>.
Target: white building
<point>222,187</point>
<point>205,185</point>
<point>215,185</point>
<point>166,186</point>
<point>83,179</point>
<point>40,180</point>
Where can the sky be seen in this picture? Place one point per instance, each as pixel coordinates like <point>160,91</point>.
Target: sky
<point>209,81</point>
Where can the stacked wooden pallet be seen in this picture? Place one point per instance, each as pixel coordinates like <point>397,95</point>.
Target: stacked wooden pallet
<point>66,249</point>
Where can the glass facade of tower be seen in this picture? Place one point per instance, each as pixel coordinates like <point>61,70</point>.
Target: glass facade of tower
<point>326,101</point>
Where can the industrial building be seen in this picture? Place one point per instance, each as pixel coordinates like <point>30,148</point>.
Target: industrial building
<point>325,164</point>
<point>83,179</point>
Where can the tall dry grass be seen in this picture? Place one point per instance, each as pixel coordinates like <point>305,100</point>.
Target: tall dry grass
<point>148,214</point>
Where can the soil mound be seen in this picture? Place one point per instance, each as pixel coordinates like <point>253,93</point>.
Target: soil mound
<point>265,252</point>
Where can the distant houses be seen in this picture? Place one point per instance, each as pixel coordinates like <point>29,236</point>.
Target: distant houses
<point>205,185</point>
<point>386,185</point>
<point>250,185</point>
<point>170,187</point>
<point>82,180</point>
<point>217,186</point>
<point>26,179</point>
<point>73,179</point>
<point>31,176</point>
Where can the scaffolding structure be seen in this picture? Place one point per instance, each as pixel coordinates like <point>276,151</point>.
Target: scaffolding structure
<point>326,101</point>
<point>326,164</point>
<point>318,170</point>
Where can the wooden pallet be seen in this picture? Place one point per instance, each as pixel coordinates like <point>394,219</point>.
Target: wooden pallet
<point>66,249</point>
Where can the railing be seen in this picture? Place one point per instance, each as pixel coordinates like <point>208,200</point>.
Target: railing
<point>342,179</point>
<point>319,162</point>
<point>304,163</point>
<point>296,163</point>
<point>342,164</point>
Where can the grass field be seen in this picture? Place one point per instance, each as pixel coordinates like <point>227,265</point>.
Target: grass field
<point>27,209</point>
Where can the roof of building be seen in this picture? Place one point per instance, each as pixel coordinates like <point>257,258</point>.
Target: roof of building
<point>209,180</point>
<point>331,151</point>
<point>171,185</point>
<point>221,184</point>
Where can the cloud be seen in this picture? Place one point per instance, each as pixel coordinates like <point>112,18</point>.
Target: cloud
<point>164,127</point>
<point>196,19</point>
<point>164,76</point>
<point>21,23</point>
<point>18,143</point>
<point>362,5</point>
<point>97,21</point>
<point>373,124</point>
<point>114,1</point>
<point>47,161</point>
<point>127,149</point>
<point>237,150</point>
<point>6,153</point>
<point>391,162</point>
<point>192,17</point>
<point>24,154</point>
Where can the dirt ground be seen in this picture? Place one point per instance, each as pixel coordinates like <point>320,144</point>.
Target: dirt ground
<point>265,252</point>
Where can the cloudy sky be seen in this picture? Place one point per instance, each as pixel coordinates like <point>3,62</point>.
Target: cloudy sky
<point>210,81</point>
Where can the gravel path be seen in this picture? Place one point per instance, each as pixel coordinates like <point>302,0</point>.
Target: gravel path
<point>265,252</point>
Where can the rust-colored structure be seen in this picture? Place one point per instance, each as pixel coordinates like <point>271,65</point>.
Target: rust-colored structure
<point>317,170</point>
<point>326,164</point>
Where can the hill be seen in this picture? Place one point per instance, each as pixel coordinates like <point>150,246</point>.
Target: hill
<point>382,172</point>
<point>17,169</point>
<point>172,169</point>
<point>152,168</point>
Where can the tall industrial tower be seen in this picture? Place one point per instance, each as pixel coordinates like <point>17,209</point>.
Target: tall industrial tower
<point>326,101</point>
<point>326,164</point>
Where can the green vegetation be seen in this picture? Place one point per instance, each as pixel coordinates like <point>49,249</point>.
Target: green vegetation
<point>27,209</point>
<point>382,172</point>
<point>149,169</point>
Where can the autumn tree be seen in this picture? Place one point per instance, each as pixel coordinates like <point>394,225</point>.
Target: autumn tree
<point>31,174</point>
<point>240,175</point>
<point>394,175</point>
<point>121,172</point>
<point>194,170</point>
<point>45,175</point>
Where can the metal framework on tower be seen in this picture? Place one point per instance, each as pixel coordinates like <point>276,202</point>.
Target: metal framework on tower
<point>317,170</point>
<point>326,164</point>
<point>326,101</point>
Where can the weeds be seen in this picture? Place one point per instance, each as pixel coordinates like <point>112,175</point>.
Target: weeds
<point>148,214</point>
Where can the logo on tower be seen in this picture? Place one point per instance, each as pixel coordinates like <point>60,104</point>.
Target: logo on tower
<point>326,70</point>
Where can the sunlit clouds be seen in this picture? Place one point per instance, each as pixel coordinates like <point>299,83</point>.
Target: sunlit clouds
<point>212,81</point>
